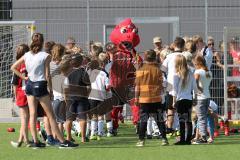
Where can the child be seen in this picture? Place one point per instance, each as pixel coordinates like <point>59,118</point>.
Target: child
<point>58,102</point>
<point>183,86</point>
<point>99,85</point>
<point>76,92</point>
<point>148,86</point>
<point>203,78</point>
<point>20,98</point>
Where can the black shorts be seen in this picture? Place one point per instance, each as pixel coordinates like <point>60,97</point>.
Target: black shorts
<point>59,109</point>
<point>184,109</point>
<point>37,89</point>
<point>151,107</point>
<point>183,106</point>
<point>77,109</point>
<point>95,106</point>
<point>169,101</point>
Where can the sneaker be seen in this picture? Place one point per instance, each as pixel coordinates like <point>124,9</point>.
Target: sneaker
<point>16,144</point>
<point>140,143</point>
<point>94,137</point>
<point>109,134</point>
<point>86,139</point>
<point>177,133</point>
<point>149,136</point>
<point>199,141</point>
<point>37,145</point>
<point>156,134</point>
<point>170,135</point>
<point>180,143</point>
<point>165,142</point>
<point>52,142</point>
<point>43,135</point>
<point>115,132</point>
<point>210,140</point>
<point>67,145</point>
<point>98,138</point>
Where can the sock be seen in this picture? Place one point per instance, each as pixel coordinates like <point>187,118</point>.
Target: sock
<point>100,127</point>
<point>88,129</point>
<point>155,127</point>
<point>149,126</point>
<point>93,127</point>
<point>109,126</point>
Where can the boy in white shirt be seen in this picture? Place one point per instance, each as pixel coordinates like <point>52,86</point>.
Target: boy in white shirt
<point>168,67</point>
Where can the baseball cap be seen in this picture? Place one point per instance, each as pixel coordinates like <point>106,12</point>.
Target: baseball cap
<point>71,40</point>
<point>157,39</point>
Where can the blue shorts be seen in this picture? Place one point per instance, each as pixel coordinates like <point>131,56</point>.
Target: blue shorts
<point>37,89</point>
<point>77,109</point>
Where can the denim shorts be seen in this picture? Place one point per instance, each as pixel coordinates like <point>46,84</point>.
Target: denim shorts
<point>59,109</point>
<point>37,89</point>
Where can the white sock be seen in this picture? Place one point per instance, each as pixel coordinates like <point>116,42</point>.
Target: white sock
<point>88,129</point>
<point>93,127</point>
<point>149,126</point>
<point>175,122</point>
<point>155,127</point>
<point>100,127</point>
<point>109,126</point>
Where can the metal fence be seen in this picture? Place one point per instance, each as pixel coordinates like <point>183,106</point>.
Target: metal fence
<point>87,20</point>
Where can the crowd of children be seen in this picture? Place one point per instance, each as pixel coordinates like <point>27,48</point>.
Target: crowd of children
<point>171,83</point>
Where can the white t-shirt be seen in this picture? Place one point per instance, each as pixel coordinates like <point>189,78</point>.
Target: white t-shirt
<point>35,65</point>
<point>184,92</point>
<point>168,67</point>
<point>204,83</point>
<point>57,81</point>
<point>99,82</point>
<point>208,57</point>
<point>213,106</point>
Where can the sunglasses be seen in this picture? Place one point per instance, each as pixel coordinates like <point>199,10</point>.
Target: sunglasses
<point>211,44</point>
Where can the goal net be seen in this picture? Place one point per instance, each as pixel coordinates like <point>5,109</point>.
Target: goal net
<point>12,33</point>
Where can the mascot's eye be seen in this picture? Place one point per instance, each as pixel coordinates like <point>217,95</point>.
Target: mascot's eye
<point>135,30</point>
<point>123,30</point>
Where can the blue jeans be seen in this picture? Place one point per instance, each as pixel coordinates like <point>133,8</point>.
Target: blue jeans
<point>202,111</point>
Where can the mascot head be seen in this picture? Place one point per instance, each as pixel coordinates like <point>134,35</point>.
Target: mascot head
<point>125,35</point>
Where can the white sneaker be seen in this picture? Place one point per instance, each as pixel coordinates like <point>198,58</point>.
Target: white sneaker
<point>16,144</point>
<point>210,140</point>
<point>140,143</point>
<point>109,134</point>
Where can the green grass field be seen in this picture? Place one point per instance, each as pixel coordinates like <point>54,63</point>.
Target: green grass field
<point>121,147</point>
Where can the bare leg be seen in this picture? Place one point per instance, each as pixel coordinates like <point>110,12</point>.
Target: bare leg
<point>46,104</point>
<point>32,103</point>
<point>83,126</point>
<point>47,126</point>
<point>68,127</point>
<point>24,123</point>
<point>170,118</point>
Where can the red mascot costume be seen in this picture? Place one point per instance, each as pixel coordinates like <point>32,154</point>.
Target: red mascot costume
<point>122,73</point>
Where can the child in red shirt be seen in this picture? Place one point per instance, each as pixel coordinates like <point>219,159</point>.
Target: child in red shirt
<point>21,99</point>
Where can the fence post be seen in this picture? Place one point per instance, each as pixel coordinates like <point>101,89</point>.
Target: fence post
<point>88,25</point>
<point>206,20</point>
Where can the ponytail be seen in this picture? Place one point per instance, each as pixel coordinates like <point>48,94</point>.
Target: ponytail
<point>37,43</point>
